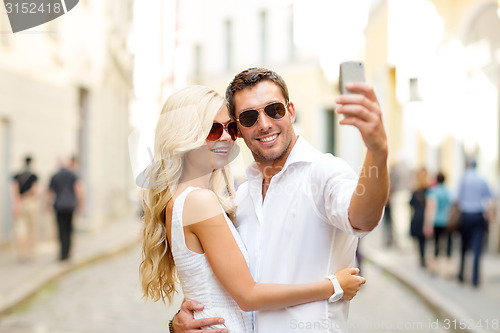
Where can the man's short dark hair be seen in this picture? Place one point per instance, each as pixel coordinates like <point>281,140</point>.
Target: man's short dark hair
<point>471,163</point>
<point>27,160</point>
<point>249,78</point>
<point>440,177</point>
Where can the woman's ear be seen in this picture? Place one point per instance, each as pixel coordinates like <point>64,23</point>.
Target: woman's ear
<point>239,134</point>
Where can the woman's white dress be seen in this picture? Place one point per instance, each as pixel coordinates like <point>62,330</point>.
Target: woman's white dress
<point>198,280</point>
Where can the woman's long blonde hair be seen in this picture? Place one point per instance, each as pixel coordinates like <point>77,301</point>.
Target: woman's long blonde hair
<point>184,123</point>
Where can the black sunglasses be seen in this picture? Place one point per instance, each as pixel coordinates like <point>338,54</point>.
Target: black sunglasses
<point>218,128</point>
<point>275,111</point>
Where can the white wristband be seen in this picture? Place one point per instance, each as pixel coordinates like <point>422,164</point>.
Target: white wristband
<point>338,292</point>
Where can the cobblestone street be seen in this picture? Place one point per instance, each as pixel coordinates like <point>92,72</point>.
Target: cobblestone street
<point>385,305</point>
<point>105,297</point>
<point>101,297</point>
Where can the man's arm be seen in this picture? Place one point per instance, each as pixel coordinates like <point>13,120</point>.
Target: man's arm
<point>49,199</point>
<point>362,110</point>
<point>80,196</point>
<point>429,216</point>
<point>50,195</point>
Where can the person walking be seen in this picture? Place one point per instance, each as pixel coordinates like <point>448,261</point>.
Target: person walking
<point>399,212</point>
<point>24,192</point>
<point>66,192</point>
<point>474,199</point>
<point>438,212</point>
<point>417,203</point>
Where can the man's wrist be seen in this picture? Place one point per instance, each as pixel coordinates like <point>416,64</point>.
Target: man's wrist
<point>171,323</point>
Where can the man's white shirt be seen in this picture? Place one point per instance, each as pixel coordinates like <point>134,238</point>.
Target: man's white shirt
<point>300,233</point>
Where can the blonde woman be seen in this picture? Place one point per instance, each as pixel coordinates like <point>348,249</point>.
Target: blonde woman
<point>188,233</point>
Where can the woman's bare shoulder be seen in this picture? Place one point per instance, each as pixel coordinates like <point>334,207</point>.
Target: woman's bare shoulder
<point>200,205</point>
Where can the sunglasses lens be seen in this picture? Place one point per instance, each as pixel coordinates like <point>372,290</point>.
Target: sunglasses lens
<point>218,129</point>
<point>248,118</point>
<point>215,132</point>
<point>275,110</point>
<point>232,129</point>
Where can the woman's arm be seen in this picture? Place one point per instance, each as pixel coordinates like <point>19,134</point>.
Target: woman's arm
<point>429,215</point>
<point>204,218</point>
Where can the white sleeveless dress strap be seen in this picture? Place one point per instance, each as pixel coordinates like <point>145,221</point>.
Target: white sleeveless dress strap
<point>197,278</point>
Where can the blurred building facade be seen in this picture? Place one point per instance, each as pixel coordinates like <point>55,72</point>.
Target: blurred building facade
<point>440,61</point>
<point>433,63</point>
<point>65,88</point>
<point>220,38</point>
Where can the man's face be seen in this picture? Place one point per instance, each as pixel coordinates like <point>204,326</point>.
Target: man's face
<point>269,139</point>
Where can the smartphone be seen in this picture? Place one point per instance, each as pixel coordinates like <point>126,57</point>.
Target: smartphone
<point>350,71</point>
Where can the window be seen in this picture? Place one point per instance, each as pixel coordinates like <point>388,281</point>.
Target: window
<point>263,36</point>
<point>229,45</point>
<point>5,29</point>
<point>6,221</point>
<point>330,130</point>
<point>198,60</point>
<point>414,90</point>
<point>291,43</point>
<point>83,130</point>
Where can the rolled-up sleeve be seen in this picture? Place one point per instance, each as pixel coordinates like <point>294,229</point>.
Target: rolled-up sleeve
<point>335,182</point>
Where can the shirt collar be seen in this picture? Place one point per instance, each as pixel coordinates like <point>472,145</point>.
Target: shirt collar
<point>302,151</point>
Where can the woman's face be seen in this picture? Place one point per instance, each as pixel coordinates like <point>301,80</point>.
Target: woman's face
<point>214,154</point>
<point>221,148</point>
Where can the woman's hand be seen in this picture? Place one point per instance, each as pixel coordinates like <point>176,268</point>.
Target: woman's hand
<point>350,282</point>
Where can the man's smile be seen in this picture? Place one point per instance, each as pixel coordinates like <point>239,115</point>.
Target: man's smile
<point>268,139</point>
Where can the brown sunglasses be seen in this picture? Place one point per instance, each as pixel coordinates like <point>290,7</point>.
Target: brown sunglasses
<point>218,129</point>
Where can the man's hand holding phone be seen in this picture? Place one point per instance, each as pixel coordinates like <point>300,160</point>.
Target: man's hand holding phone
<point>360,107</point>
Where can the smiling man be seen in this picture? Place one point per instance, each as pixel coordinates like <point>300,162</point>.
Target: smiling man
<point>301,212</point>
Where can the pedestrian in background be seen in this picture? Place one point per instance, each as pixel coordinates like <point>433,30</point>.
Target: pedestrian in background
<point>66,193</point>
<point>387,221</point>
<point>24,190</point>
<point>417,203</point>
<point>437,214</point>
<point>401,188</point>
<point>474,199</point>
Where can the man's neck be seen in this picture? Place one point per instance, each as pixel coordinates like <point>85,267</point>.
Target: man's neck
<point>270,169</point>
